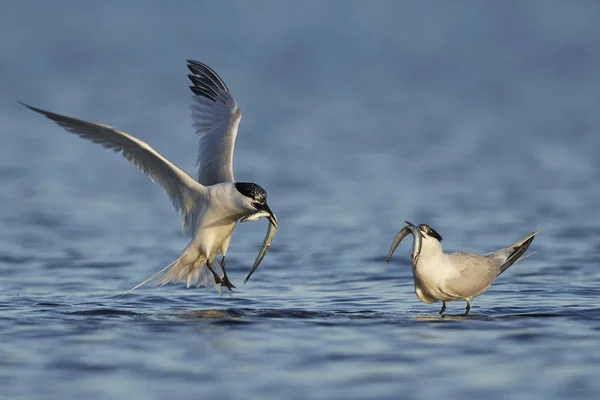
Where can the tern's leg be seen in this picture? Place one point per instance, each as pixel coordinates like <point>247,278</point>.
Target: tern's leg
<point>226,282</point>
<point>443,307</point>
<point>217,277</point>
<point>468,308</point>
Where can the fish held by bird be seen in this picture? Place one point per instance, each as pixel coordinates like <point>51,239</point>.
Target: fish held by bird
<point>446,277</point>
<point>210,205</point>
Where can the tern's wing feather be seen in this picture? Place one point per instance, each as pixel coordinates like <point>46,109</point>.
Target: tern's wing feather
<point>216,117</point>
<point>511,254</point>
<point>181,188</point>
<point>473,274</point>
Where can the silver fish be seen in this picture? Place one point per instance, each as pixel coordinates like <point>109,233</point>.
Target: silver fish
<point>268,237</point>
<point>409,228</point>
<point>255,216</point>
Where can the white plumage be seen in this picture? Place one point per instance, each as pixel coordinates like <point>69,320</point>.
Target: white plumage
<point>209,207</point>
<point>455,276</point>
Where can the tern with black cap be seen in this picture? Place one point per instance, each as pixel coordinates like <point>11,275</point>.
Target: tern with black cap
<point>211,205</point>
<point>440,276</point>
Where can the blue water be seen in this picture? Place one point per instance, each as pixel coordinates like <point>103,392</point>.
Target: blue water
<point>478,118</point>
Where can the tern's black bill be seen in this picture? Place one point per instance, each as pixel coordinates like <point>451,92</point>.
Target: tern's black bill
<point>272,218</point>
<point>265,207</point>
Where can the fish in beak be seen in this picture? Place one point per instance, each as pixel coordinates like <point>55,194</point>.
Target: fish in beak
<point>265,212</point>
<point>271,217</point>
<point>409,228</point>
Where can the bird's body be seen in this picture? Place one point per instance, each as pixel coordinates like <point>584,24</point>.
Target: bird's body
<point>213,228</point>
<point>440,276</point>
<point>455,276</point>
<point>210,206</point>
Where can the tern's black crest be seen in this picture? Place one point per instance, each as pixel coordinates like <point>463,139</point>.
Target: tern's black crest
<point>252,190</point>
<point>206,81</point>
<point>429,231</point>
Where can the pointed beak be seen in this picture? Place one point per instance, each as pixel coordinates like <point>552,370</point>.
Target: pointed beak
<point>417,243</point>
<point>272,218</point>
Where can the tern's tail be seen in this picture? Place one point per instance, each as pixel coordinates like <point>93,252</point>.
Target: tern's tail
<point>190,266</point>
<point>515,252</point>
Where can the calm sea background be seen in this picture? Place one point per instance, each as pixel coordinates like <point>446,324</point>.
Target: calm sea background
<point>478,118</point>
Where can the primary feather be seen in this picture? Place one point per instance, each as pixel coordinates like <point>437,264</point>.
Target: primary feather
<point>183,191</point>
<point>216,117</point>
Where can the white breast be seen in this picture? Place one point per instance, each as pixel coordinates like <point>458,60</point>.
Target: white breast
<point>217,221</point>
<point>429,277</point>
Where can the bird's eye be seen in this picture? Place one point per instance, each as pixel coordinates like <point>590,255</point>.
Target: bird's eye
<point>258,206</point>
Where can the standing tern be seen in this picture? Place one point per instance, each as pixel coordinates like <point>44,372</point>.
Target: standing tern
<point>455,276</point>
<point>210,206</point>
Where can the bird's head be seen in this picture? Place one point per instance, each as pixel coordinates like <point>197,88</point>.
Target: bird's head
<point>254,198</point>
<point>429,233</point>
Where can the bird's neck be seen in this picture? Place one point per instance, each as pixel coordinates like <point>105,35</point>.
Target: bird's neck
<point>432,263</point>
<point>431,248</point>
<point>225,201</point>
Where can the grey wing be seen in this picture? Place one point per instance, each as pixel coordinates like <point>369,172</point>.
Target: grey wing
<point>473,274</point>
<point>181,188</point>
<point>216,117</point>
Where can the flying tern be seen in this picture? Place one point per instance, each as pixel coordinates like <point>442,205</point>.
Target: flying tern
<point>209,206</point>
<point>455,276</point>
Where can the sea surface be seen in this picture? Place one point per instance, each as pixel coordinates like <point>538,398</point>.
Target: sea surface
<point>480,119</point>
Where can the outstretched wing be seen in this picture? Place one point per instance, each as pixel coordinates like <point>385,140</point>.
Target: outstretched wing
<point>216,117</point>
<point>181,188</point>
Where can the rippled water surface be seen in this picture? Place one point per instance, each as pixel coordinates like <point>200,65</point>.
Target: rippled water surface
<point>478,118</point>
